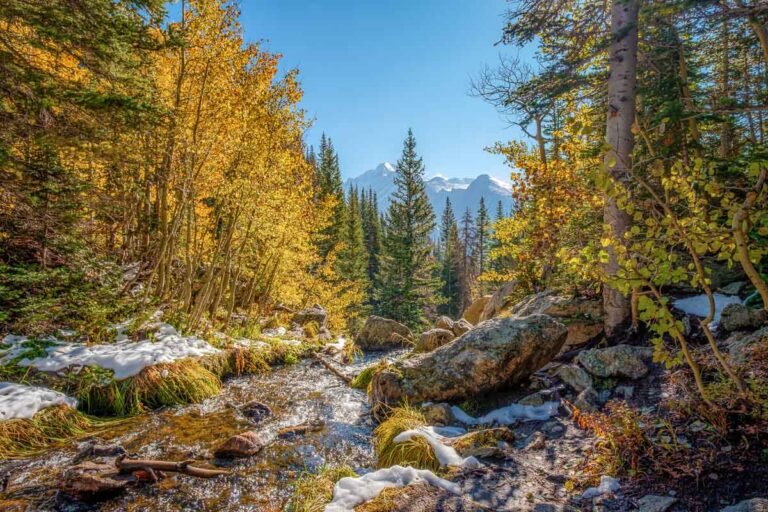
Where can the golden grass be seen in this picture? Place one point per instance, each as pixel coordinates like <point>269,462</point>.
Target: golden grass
<point>50,428</point>
<point>314,491</point>
<point>415,452</point>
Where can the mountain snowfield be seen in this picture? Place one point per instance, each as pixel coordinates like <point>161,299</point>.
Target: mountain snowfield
<point>463,192</point>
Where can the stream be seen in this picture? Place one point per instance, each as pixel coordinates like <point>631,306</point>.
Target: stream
<point>296,394</point>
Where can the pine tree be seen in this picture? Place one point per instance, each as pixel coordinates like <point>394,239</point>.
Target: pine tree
<point>482,228</point>
<point>450,272</point>
<point>407,285</point>
<point>353,258</point>
<point>372,239</point>
<point>467,275</point>
<point>499,211</point>
<point>329,188</point>
<point>447,220</point>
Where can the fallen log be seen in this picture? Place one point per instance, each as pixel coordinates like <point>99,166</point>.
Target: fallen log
<point>126,465</point>
<point>331,368</point>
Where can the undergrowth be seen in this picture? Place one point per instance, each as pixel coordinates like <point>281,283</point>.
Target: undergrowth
<point>314,491</point>
<point>414,452</point>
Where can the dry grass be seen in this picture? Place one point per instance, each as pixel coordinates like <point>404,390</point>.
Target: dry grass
<point>415,452</point>
<point>314,491</point>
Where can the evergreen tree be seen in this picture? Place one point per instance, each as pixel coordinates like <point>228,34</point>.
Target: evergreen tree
<point>482,228</point>
<point>450,271</point>
<point>407,284</point>
<point>329,188</point>
<point>352,263</point>
<point>447,221</point>
<point>499,211</point>
<point>467,238</point>
<point>372,239</point>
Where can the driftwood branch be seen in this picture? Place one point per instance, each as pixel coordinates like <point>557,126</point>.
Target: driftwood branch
<point>331,368</point>
<point>151,466</point>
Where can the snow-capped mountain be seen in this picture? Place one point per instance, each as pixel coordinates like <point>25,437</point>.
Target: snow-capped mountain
<point>463,192</point>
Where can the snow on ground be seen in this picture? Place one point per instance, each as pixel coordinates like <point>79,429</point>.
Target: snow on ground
<point>509,414</point>
<point>20,401</point>
<point>698,305</point>
<point>125,358</point>
<point>350,492</point>
<point>436,437</point>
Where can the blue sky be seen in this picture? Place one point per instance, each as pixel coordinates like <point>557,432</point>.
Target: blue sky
<point>371,69</point>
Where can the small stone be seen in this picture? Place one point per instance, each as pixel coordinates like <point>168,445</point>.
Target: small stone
<point>440,415</point>
<point>537,398</point>
<point>651,503</point>
<point>587,400</point>
<point>625,392</point>
<point>241,445</point>
<point>432,339</point>
<point>575,377</point>
<point>537,441</point>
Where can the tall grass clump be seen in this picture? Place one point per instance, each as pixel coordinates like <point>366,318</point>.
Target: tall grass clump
<point>52,427</point>
<point>414,452</point>
<point>314,491</point>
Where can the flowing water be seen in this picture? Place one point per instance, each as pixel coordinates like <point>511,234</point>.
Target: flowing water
<point>296,394</point>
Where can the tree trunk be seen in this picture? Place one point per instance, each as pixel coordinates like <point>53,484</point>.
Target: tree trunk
<point>621,115</point>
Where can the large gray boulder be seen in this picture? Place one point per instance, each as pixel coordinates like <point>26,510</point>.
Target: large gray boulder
<point>382,333</point>
<point>433,338</point>
<point>738,317</point>
<point>618,361</point>
<point>474,310</point>
<point>496,353</point>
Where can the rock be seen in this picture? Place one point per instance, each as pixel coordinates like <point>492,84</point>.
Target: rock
<point>753,505</point>
<point>497,353</point>
<point>440,414</point>
<point>314,314</point>
<point>738,317</point>
<point>420,497</point>
<point>499,301</point>
<point>90,480</point>
<point>433,338</point>
<point>256,412</point>
<point>625,392</point>
<point>382,333</point>
<point>587,400</point>
<point>575,377</point>
<point>537,441</point>
<point>475,310</point>
<point>733,288</point>
<point>583,317</point>
<point>537,398</point>
<point>244,444</point>
<point>739,345</point>
<point>651,503</point>
<point>300,430</point>
<point>458,327</point>
<point>484,443</point>
<point>618,361</point>
<point>324,334</point>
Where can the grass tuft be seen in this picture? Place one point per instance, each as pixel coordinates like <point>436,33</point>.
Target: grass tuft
<point>314,491</point>
<point>415,452</point>
<point>52,427</point>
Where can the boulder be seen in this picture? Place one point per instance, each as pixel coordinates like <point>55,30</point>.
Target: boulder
<point>91,480</point>
<point>458,327</point>
<point>244,444</point>
<point>587,400</point>
<point>433,338</point>
<point>651,503</point>
<point>739,346</point>
<point>734,288</point>
<point>753,505</point>
<point>537,398</point>
<point>438,414</point>
<point>382,333</point>
<point>475,310</point>
<point>583,317</point>
<point>315,314</point>
<point>499,301</point>
<point>738,317</point>
<point>575,377</point>
<point>497,353</point>
<point>618,361</point>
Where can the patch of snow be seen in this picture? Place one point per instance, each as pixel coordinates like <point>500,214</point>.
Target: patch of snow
<point>509,414</point>
<point>20,401</point>
<point>350,492</point>
<point>125,358</point>
<point>698,305</point>
<point>436,437</point>
<point>607,484</point>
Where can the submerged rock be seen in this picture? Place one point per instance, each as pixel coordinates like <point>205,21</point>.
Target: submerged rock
<point>618,361</point>
<point>433,338</point>
<point>738,317</point>
<point>245,444</point>
<point>300,430</point>
<point>382,333</point>
<point>475,310</point>
<point>495,354</point>
<point>256,412</point>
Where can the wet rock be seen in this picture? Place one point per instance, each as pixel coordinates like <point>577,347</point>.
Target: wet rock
<point>733,288</point>
<point>499,301</point>
<point>420,497</point>
<point>497,353</point>
<point>475,310</point>
<point>440,415</point>
<point>583,317</point>
<point>587,400</point>
<point>433,338</point>
<point>300,430</point>
<point>618,361</point>
<point>651,503</point>
<point>753,505</point>
<point>575,377</point>
<point>93,449</point>
<point>537,398</point>
<point>739,345</point>
<point>256,412</point>
<point>90,480</point>
<point>315,314</point>
<point>738,317</point>
<point>382,333</point>
<point>484,443</point>
<point>458,327</point>
<point>245,444</point>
